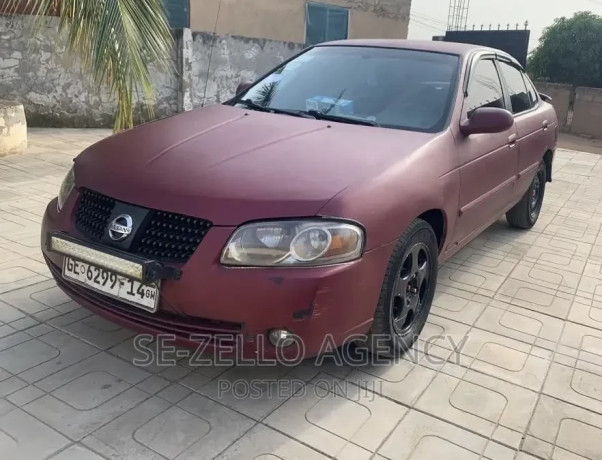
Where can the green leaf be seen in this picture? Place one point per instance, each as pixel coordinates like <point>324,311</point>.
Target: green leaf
<point>116,42</point>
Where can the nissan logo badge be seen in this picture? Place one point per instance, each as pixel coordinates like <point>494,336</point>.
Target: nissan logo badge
<point>120,227</point>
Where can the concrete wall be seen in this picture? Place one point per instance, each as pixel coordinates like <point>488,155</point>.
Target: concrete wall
<point>579,110</point>
<point>35,71</point>
<point>587,113</point>
<point>252,37</point>
<point>285,19</point>
<point>561,100</point>
<point>221,62</point>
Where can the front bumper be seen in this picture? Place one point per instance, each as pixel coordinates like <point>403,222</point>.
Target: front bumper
<point>96,254</point>
<point>321,305</point>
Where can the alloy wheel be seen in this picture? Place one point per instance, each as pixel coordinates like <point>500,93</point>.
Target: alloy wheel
<point>535,199</point>
<point>410,288</point>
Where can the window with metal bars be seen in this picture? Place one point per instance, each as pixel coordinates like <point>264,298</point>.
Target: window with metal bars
<point>325,23</point>
<point>178,13</point>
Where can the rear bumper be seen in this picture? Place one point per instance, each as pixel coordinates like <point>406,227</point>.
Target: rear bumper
<point>322,305</point>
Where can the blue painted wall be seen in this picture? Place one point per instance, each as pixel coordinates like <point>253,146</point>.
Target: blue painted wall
<point>178,13</point>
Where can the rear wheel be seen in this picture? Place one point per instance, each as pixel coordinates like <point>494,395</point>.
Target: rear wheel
<point>526,212</point>
<point>407,292</point>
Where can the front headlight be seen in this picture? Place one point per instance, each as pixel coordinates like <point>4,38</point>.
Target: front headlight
<point>294,243</point>
<point>66,188</point>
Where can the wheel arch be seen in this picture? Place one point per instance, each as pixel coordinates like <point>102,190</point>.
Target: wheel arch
<point>437,219</point>
<point>548,158</point>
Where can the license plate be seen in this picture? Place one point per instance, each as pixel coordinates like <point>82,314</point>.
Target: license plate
<point>141,295</point>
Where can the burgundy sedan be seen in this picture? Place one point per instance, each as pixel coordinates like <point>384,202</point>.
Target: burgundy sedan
<point>314,207</point>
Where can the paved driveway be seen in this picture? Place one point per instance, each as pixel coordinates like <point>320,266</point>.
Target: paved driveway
<point>513,366</point>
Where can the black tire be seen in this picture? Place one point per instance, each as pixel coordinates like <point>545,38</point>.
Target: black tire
<point>526,212</point>
<point>392,332</point>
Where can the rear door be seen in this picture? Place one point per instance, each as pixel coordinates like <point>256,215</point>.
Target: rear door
<point>488,162</point>
<point>530,126</point>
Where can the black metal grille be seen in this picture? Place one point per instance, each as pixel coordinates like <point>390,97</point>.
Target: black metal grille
<point>172,236</point>
<point>93,213</point>
<point>165,236</point>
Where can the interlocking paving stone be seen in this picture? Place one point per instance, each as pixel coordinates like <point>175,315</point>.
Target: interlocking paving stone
<point>76,452</point>
<point>479,402</point>
<point>172,432</point>
<point>576,386</point>
<point>27,355</point>
<point>264,443</point>
<point>403,381</point>
<point>464,307</point>
<point>22,436</point>
<point>567,427</point>
<point>98,331</point>
<point>420,436</point>
<point>69,350</point>
<point>75,422</point>
<point>328,414</point>
<point>235,383</point>
<point>116,438</point>
<point>509,365</point>
<point>25,395</point>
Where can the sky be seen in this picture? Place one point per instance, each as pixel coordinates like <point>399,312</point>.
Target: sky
<point>429,17</point>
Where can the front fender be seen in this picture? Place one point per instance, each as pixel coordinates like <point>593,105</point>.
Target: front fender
<point>387,204</point>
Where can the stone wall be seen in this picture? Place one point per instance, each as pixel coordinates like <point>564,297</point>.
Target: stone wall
<point>579,110</point>
<point>37,72</point>
<point>587,112</point>
<point>561,100</point>
<point>221,62</point>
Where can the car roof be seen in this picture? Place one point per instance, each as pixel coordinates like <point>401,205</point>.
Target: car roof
<point>461,49</point>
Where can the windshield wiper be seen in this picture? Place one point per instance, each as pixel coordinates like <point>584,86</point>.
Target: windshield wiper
<point>261,108</point>
<point>313,114</point>
<point>340,118</point>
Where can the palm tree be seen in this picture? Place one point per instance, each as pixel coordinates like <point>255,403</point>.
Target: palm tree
<point>116,41</point>
<point>266,93</point>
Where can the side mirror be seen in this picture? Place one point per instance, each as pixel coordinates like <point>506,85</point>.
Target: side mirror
<point>487,120</point>
<point>243,86</point>
<point>545,98</point>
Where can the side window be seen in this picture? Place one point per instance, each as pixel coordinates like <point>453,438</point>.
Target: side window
<point>519,95</point>
<point>485,88</point>
<point>533,96</point>
<point>325,23</point>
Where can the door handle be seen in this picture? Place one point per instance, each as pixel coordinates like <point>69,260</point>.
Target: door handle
<point>512,141</point>
<point>545,125</point>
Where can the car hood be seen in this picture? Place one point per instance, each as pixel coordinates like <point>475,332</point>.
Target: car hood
<point>231,165</point>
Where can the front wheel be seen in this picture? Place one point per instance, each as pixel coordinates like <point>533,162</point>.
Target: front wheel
<point>407,292</point>
<point>526,212</point>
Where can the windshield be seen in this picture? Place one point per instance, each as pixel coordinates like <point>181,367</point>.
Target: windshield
<point>394,88</point>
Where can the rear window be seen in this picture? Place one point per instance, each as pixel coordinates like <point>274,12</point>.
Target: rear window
<point>533,97</point>
<point>396,88</point>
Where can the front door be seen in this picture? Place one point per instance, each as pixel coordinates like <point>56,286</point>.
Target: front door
<point>529,125</point>
<point>488,162</point>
